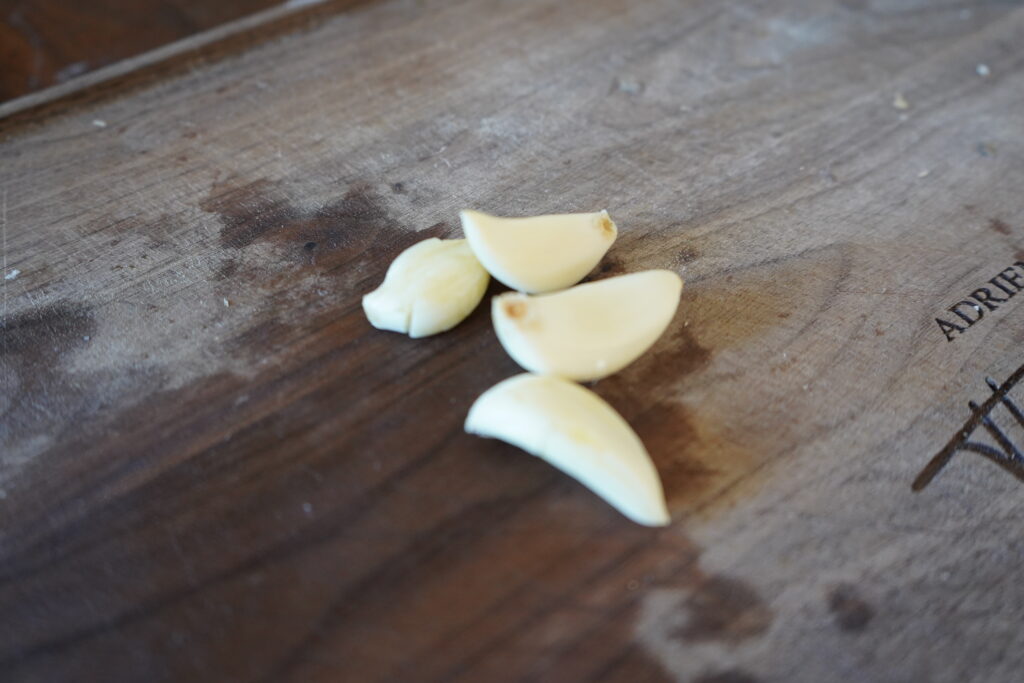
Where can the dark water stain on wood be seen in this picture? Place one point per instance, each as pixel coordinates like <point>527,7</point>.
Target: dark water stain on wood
<point>225,269</point>
<point>683,353</point>
<point>329,238</point>
<point>999,226</point>
<point>676,354</point>
<point>40,335</point>
<point>851,612</point>
<point>249,211</point>
<point>730,676</point>
<point>609,266</point>
<point>692,467</point>
<point>161,233</point>
<point>36,387</point>
<point>724,609</point>
<point>704,608</point>
<point>259,211</point>
<point>35,342</point>
<point>688,254</point>
<point>670,436</point>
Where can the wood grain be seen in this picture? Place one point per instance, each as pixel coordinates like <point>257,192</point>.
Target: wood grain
<point>213,469</point>
<point>44,42</point>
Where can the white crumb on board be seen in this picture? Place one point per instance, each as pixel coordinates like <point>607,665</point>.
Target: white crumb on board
<point>99,123</point>
<point>226,302</point>
<point>14,273</point>
<point>923,174</point>
<point>983,70</point>
<point>900,102</point>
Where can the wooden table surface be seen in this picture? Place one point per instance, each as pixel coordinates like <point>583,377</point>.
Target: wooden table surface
<point>213,469</point>
<point>45,42</point>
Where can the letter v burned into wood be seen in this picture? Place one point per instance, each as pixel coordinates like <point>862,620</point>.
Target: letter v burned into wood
<point>1007,455</point>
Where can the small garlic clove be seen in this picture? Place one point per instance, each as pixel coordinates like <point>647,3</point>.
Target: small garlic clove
<point>577,432</point>
<point>540,253</point>
<point>431,287</point>
<point>590,331</point>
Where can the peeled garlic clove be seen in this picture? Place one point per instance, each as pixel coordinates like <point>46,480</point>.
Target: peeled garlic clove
<point>577,432</point>
<point>590,331</point>
<point>541,253</point>
<point>431,287</point>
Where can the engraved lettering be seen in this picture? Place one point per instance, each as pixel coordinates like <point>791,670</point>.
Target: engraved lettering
<point>1008,292</point>
<point>983,295</point>
<point>955,310</point>
<point>948,328</point>
<point>1011,276</point>
<point>1002,287</point>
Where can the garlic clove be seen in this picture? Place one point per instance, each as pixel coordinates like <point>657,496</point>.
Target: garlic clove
<point>540,253</point>
<point>431,287</point>
<point>590,331</point>
<point>579,433</point>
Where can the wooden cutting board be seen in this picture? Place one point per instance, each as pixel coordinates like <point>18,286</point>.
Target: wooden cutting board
<point>214,469</point>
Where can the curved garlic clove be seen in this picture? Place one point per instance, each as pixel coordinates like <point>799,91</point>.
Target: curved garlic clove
<point>577,432</point>
<point>431,287</point>
<point>540,253</point>
<point>590,331</point>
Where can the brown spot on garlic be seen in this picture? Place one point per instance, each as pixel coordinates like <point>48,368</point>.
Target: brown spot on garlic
<point>515,309</point>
